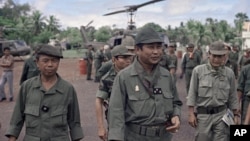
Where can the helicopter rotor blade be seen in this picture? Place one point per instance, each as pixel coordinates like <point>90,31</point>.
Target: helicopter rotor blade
<point>146,3</point>
<point>116,12</point>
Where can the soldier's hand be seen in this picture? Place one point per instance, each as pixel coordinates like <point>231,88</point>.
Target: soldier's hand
<point>175,125</point>
<point>12,138</point>
<point>237,119</point>
<point>192,120</point>
<point>102,133</point>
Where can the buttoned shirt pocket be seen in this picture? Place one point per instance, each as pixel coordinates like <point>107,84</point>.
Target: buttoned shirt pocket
<point>32,116</point>
<point>205,86</point>
<point>58,117</point>
<point>138,101</point>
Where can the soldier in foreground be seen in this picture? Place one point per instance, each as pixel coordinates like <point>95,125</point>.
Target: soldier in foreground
<point>121,58</point>
<point>47,104</point>
<point>144,103</point>
<point>212,91</point>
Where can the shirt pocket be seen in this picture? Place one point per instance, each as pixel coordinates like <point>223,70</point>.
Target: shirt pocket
<point>224,89</point>
<point>204,87</point>
<point>138,101</point>
<point>167,102</point>
<point>32,116</point>
<point>58,117</point>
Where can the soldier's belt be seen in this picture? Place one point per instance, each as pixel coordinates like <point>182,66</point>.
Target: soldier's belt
<point>210,110</point>
<point>151,131</point>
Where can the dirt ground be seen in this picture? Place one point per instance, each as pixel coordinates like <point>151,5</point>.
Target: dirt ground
<point>86,90</point>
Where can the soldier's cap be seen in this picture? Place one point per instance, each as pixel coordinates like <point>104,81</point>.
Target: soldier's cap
<point>147,35</point>
<point>172,45</point>
<point>120,50</point>
<point>128,42</point>
<point>190,45</point>
<point>50,51</point>
<point>217,48</point>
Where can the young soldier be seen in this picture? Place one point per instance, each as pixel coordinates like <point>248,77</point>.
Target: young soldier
<point>121,58</point>
<point>7,63</point>
<point>144,104</point>
<point>212,91</point>
<point>47,104</point>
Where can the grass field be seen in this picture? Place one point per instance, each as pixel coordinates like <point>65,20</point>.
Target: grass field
<point>74,53</point>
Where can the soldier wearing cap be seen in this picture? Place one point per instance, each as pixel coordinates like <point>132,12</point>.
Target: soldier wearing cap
<point>190,60</point>
<point>129,43</point>
<point>89,58</point>
<point>121,58</point>
<point>144,103</point>
<point>234,53</point>
<point>47,104</point>
<point>212,91</point>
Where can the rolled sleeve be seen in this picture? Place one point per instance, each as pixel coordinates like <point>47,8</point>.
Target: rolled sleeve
<point>102,94</point>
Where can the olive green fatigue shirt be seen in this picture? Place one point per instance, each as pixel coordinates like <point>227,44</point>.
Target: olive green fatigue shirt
<point>212,88</point>
<point>98,59</point>
<point>165,61</point>
<point>106,83</point>
<point>89,63</point>
<point>234,66</point>
<point>131,102</point>
<point>48,115</point>
<point>244,87</point>
<point>188,63</point>
<point>104,69</point>
<point>29,69</point>
<point>242,61</point>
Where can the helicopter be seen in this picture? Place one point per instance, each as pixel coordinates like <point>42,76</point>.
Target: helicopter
<point>17,47</point>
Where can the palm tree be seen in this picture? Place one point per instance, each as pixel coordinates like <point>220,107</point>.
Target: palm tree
<point>240,19</point>
<point>53,24</point>
<point>38,22</point>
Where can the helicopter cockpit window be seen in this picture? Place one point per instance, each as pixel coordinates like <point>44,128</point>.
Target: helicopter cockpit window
<point>117,41</point>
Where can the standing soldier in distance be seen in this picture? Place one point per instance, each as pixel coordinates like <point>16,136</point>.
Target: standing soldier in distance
<point>190,60</point>
<point>98,60</point>
<point>7,64</point>
<point>230,63</point>
<point>121,58</point>
<point>144,103</point>
<point>47,104</point>
<point>212,91</point>
<point>89,58</point>
<point>173,60</point>
<point>234,54</point>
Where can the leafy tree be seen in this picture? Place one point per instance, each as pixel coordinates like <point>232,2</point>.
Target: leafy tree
<point>38,21</point>
<point>103,34</point>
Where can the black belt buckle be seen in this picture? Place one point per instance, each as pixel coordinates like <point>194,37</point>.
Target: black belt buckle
<point>212,111</point>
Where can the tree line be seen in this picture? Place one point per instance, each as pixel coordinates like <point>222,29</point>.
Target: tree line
<point>20,21</point>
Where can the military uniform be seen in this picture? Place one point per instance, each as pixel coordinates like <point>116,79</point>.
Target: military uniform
<point>234,56</point>
<point>98,59</point>
<point>142,103</point>
<point>29,69</point>
<point>188,65</point>
<point>89,63</point>
<point>165,61</point>
<point>104,69</point>
<point>212,92</point>
<point>244,87</point>
<point>234,66</point>
<point>49,113</point>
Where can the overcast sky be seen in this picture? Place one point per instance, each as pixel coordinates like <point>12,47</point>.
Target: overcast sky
<point>75,13</point>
